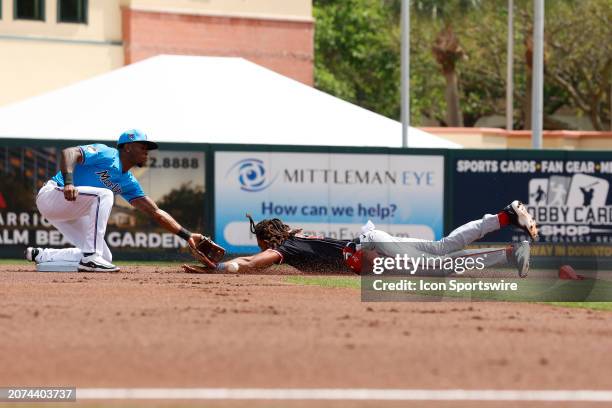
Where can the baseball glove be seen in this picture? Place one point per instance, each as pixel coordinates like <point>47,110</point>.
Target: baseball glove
<point>207,252</point>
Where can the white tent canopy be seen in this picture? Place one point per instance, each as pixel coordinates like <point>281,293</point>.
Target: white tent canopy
<point>203,100</point>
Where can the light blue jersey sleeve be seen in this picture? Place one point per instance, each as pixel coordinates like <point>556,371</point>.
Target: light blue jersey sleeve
<point>97,154</point>
<point>130,188</point>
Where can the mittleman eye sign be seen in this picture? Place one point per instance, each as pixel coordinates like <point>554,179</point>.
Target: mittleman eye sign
<point>252,175</point>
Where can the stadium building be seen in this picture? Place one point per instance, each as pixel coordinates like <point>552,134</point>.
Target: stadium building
<point>48,44</point>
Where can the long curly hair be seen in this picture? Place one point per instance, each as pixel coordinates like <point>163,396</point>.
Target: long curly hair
<point>271,231</point>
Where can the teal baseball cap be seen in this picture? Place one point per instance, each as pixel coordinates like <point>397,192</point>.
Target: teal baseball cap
<point>135,135</point>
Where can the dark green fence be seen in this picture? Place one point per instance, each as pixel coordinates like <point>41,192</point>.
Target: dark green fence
<point>567,190</point>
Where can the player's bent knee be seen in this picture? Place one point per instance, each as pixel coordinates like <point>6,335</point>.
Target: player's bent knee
<point>378,236</point>
<point>105,193</point>
<point>106,196</point>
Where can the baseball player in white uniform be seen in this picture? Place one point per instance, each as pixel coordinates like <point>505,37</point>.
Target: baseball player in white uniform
<point>79,198</point>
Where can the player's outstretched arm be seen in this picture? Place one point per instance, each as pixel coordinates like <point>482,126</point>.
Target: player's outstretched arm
<point>243,264</point>
<point>258,261</point>
<point>71,156</point>
<point>148,206</point>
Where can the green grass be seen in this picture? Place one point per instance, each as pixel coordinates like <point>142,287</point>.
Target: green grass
<point>355,283</point>
<point>326,281</point>
<point>13,262</point>
<point>583,305</point>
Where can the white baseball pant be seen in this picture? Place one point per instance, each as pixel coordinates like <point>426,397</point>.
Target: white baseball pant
<point>82,222</point>
<point>450,246</point>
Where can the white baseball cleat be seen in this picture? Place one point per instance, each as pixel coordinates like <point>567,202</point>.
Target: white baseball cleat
<point>520,217</point>
<point>95,263</point>
<point>520,258</point>
<point>31,253</point>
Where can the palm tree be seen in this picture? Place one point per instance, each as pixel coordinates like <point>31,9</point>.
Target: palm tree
<point>446,48</point>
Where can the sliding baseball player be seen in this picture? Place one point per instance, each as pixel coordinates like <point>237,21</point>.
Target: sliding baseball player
<point>279,243</point>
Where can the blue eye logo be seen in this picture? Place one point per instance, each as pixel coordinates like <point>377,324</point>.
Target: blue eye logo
<point>252,175</point>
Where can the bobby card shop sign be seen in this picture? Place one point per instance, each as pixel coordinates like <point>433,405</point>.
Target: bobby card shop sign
<point>327,194</point>
<point>569,198</point>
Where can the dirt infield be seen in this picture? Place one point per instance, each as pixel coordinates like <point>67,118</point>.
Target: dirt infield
<point>159,327</point>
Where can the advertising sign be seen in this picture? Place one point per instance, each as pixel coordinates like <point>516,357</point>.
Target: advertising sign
<point>569,198</point>
<point>327,194</point>
<point>174,179</point>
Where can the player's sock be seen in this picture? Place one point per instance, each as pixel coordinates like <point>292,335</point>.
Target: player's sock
<point>504,218</point>
<point>88,254</point>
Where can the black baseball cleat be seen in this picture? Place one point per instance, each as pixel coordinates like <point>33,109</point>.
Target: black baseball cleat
<point>95,263</point>
<point>31,253</point>
<point>520,217</point>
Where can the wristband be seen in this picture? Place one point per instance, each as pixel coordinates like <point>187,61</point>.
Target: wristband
<point>183,233</point>
<point>231,266</point>
<point>68,179</point>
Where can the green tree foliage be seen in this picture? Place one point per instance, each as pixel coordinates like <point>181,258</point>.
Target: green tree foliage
<point>186,205</point>
<point>427,87</point>
<point>579,56</point>
<point>483,72</point>
<point>483,77</point>
<point>354,38</point>
<point>446,47</point>
<point>357,45</point>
